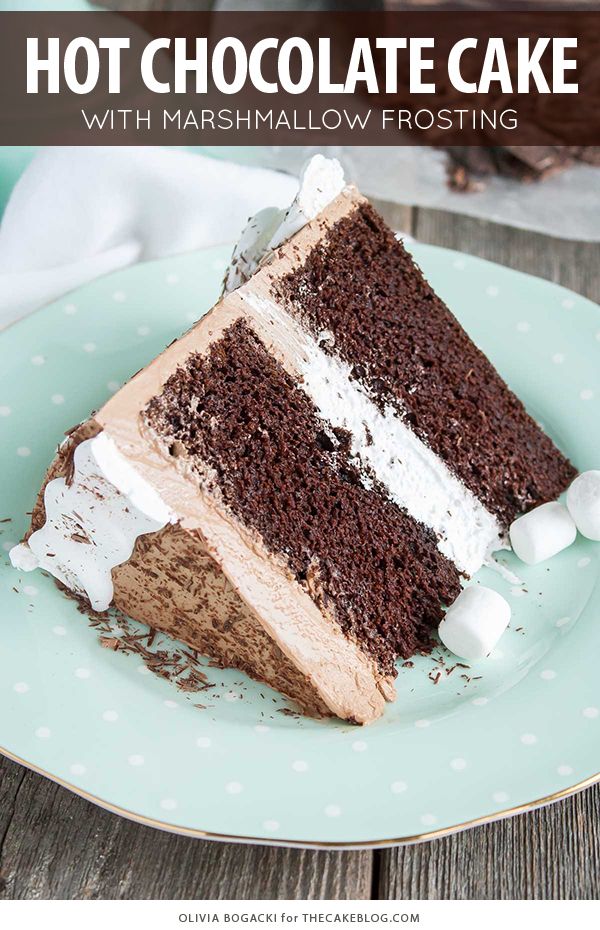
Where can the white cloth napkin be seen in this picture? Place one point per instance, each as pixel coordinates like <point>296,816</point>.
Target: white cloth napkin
<point>77,213</point>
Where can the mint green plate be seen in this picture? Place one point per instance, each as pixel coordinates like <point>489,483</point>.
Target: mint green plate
<point>516,730</point>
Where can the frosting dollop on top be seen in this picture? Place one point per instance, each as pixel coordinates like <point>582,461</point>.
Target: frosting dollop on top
<point>93,521</point>
<point>321,180</point>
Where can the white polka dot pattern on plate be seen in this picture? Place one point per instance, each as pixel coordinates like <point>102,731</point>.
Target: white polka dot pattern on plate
<point>564,770</point>
<point>70,309</point>
<point>83,673</point>
<point>77,769</point>
<point>43,733</point>
<point>234,787</point>
<point>30,590</point>
<point>333,810</point>
<point>558,358</point>
<point>300,765</point>
<point>89,347</point>
<point>203,742</point>
<point>584,562</point>
<point>136,760</point>
<point>119,297</point>
<point>24,452</point>
<point>59,631</point>
<point>110,716</point>
<point>57,399</point>
<point>586,394</point>
<point>168,804</point>
<point>359,745</point>
<point>428,820</point>
<point>523,326</point>
<point>500,797</point>
<point>398,787</point>
<point>528,739</point>
<point>562,621</point>
<point>548,674</point>
<point>422,724</point>
<point>458,764</point>
<point>271,825</point>
<point>590,713</point>
<point>143,330</point>
<point>21,687</point>
<point>480,701</point>
<point>492,291</point>
<point>5,411</point>
<point>261,728</point>
<point>37,360</point>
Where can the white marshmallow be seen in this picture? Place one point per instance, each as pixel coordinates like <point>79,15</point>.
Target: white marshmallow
<point>583,501</point>
<point>541,533</point>
<point>474,623</point>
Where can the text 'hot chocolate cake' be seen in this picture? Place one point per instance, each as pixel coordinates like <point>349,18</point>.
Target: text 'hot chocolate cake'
<point>298,485</point>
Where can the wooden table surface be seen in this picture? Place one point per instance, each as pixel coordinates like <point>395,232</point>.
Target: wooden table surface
<point>56,845</point>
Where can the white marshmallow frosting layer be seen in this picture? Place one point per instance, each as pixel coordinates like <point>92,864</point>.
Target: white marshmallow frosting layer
<point>92,523</point>
<point>384,445</point>
<point>415,477</point>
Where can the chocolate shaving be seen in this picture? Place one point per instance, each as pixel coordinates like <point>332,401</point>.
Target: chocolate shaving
<point>78,538</point>
<point>118,633</point>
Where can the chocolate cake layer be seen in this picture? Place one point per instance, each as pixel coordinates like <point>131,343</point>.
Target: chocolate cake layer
<point>360,285</point>
<point>284,473</point>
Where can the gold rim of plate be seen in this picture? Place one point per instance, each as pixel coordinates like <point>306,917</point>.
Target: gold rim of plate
<point>304,844</point>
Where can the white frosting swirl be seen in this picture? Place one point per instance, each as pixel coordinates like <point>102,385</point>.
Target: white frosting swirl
<point>321,180</point>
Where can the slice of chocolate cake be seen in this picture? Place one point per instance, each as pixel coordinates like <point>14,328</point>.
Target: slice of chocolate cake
<point>297,486</point>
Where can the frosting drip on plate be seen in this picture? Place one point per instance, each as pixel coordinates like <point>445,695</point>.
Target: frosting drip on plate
<point>93,521</point>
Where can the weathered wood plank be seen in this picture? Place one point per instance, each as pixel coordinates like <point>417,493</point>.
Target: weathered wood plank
<point>553,853</point>
<point>398,217</point>
<point>56,845</point>
<point>11,780</point>
<point>572,264</point>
